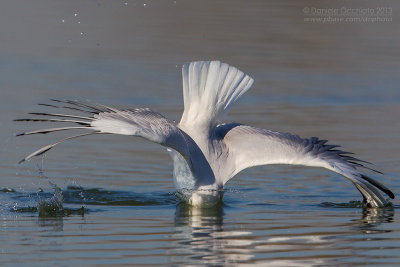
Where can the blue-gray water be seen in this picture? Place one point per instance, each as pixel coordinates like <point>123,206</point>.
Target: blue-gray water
<point>338,81</point>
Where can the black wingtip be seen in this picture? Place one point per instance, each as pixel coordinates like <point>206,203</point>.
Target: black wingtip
<point>390,194</point>
<point>379,185</point>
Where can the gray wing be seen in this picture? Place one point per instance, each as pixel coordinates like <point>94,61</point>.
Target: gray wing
<point>100,119</point>
<point>249,146</point>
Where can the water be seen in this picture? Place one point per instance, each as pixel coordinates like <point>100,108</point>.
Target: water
<point>336,81</point>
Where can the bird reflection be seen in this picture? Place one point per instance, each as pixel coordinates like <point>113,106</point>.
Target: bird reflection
<point>200,234</point>
<point>373,217</point>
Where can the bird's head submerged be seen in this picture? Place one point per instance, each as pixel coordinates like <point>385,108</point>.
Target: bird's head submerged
<point>201,197</point>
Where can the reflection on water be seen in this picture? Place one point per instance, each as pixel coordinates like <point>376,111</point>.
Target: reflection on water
<point>218,236</point>
<point>373,218</point>
<point>336,81</point>
<point>54,224</point>
<point>201,236</point>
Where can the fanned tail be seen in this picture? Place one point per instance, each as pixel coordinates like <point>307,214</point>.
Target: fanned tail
<point>209,90</point>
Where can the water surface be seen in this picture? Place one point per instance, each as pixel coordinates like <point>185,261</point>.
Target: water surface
<point>336,81</point>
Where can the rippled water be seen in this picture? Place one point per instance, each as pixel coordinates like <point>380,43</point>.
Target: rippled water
<point>109,200</point>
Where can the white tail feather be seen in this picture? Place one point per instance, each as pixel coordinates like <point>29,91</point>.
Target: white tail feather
<point>209,90</point>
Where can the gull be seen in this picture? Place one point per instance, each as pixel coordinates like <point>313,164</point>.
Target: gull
<point>207,152</point>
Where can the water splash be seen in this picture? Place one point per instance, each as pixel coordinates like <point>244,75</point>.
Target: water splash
<point>7,190</point>
<point>51,206</point>
<point>351,204</point>
<point>100,197</point>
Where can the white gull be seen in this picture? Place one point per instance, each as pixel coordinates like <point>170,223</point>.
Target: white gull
<point>206,152</point>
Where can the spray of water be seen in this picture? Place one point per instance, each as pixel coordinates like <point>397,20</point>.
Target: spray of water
<point>52,206</point>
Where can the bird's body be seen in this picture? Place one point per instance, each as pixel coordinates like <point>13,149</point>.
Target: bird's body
<point>206,152</point>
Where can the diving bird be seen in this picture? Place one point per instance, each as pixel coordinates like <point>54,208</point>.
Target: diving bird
<point>207,152</point>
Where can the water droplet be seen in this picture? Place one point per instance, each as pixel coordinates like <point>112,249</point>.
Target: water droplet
<point>62,20</point>
<point>126,3</point>
<point>75,14</point>
<point>82,33</point>
<point>69,41</point>
<point>144,4</point>
<point>79,22</point>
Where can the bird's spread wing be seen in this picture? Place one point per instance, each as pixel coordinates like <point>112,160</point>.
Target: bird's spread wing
<point>142,122</point>
<point>249,146</point>
<point>98,119</point>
